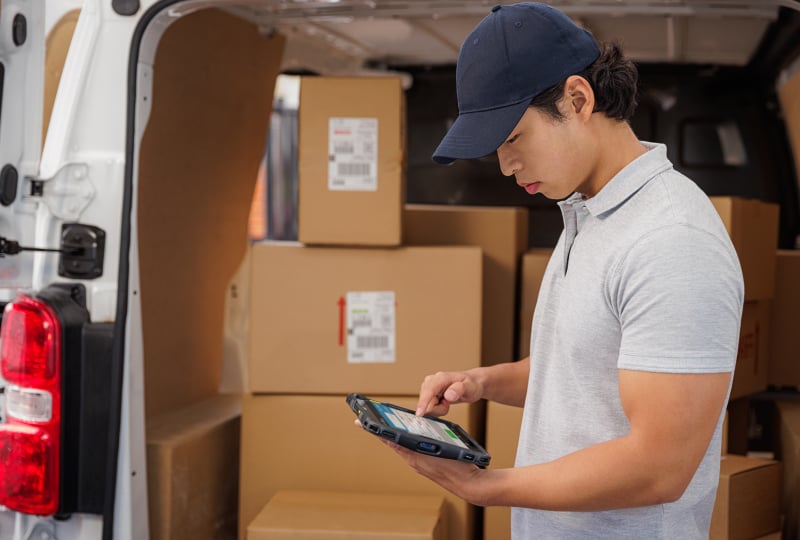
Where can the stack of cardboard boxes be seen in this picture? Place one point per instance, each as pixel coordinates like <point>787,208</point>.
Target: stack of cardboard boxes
<point>748,501</point>
<point>375,297</point>
<point>784,375</point>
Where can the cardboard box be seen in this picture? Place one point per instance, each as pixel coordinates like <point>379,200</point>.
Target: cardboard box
<point>351,161</point>
<point>502,434</point>
<point>753,355</point>
<point>784,353</point>
<point>748,498</point>
<point>192,470</point>
<point>753,226</point>
<point>311,443</point>
<point>374,321</point>
<point>534,263</point>
<point>319,515</point>
<point>789,418</point>
<point>502,235</point>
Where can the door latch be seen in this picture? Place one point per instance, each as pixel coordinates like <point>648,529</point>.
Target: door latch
<point>82,250</point>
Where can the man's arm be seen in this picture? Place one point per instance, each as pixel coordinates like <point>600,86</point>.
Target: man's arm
<point>672,419</point>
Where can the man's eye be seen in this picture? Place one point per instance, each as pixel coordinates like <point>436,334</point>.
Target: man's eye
<point>512,139</point>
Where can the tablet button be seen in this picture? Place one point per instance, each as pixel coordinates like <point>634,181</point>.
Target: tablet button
<point>427,447</point>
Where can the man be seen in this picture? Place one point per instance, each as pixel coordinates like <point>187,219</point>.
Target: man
<point>636,328</point>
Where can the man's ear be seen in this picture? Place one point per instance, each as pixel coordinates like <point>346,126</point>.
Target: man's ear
<point>579,97</point>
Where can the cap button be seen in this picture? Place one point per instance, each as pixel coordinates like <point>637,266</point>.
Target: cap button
<point>496,8</point>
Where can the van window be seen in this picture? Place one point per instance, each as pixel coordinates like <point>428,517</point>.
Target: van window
<point>712,143</point>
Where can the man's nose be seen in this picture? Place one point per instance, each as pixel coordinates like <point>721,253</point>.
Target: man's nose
<point>508,165</point>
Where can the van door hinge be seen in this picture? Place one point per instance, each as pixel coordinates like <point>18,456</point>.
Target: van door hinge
<point>42,530</point>
<point>66,194</point>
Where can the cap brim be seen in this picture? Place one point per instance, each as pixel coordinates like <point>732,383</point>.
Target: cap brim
<point>477,134</point>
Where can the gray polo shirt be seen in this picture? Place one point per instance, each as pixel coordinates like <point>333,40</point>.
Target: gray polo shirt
<point>644,277</point>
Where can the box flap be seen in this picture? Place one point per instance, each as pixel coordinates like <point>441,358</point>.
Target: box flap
<point>184,423</point>
<point>732,464</point>
<point>381,515</point>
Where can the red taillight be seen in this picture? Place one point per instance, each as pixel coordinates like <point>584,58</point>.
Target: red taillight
<point>30,360</point>
<point>29,483</point>
<point>31,343</point>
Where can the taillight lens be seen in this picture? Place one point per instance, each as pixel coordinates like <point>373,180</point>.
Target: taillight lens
<point>31,343</point>
<point>30,360</point>
<point>29,480</point>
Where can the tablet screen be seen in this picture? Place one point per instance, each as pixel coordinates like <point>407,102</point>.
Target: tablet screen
<point>417,425</point>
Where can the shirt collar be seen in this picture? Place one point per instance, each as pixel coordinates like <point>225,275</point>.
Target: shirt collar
<point>628,181</point>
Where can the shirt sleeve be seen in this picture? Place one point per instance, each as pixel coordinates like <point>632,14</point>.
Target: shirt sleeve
<point>678,294</point>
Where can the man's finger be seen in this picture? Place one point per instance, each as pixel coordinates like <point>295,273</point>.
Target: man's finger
<point>432,403</point>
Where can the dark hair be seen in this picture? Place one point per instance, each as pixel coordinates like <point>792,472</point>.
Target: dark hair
<point>613,78</point>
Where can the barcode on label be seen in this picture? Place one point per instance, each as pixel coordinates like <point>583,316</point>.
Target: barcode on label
<point>372,342</point>
<point>353,169</point>
<point>362,323</point>
<point>343,148</point>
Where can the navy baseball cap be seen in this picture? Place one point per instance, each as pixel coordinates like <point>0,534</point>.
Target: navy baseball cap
<point>515,53</point>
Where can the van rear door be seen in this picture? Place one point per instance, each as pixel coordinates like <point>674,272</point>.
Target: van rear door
<point>21,104</point>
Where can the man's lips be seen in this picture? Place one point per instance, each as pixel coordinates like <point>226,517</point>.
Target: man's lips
<point>531,188</point>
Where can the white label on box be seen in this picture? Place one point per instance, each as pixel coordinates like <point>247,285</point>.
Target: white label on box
<point>370,327</point>
<point>353,154</point>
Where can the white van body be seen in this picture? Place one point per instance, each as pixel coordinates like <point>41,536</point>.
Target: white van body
<point>86,167</point>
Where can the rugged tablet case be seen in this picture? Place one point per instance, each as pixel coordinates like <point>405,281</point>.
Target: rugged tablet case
<point>371,421</point>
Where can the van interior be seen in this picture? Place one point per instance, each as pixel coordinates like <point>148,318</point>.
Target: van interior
<point>719,84</point>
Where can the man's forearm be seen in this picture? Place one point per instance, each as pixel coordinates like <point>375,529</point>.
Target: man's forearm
<point>614,474</point>
<point>505,383</point>
<point>653,463</point>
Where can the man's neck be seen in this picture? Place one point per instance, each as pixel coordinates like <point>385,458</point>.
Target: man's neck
<point>617,146</point>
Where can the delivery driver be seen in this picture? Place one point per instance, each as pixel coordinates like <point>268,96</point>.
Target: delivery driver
<point>636,327</point>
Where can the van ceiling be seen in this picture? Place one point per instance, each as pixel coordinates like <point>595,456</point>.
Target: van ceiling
<point>341,36</point>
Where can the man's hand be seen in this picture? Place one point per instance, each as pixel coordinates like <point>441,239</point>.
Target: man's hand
<point>505,383</point>
<point>462,479</point>
<point>442,389</point>
<point>455,476</point>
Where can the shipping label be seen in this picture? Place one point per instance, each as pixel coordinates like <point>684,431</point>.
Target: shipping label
<point>353,154</point>
<point>370,327</point>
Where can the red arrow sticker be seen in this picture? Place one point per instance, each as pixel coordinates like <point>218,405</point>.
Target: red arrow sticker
<point>341,304</point>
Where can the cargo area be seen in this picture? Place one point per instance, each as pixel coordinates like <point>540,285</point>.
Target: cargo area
<point>274,285</point>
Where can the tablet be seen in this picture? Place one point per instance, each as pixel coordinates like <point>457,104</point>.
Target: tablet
<point>424,434</point>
